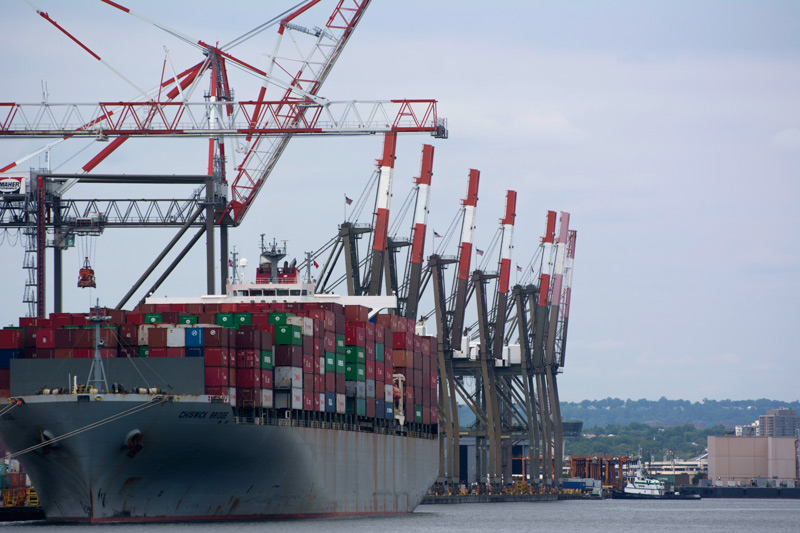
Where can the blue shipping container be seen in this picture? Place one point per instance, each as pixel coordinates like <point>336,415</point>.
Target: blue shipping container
<point>194,351</point>
<point>194,337</point>
<point>7,354</point>
<point>330,402</point>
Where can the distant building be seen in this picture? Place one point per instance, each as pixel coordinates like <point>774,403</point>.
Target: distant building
<point>779,423</point>
<point>747,431</point>
<point>737,461</point>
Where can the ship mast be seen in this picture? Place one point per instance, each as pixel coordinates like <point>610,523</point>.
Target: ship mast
<point>97,372</point>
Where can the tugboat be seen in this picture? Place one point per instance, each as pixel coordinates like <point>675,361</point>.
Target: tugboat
<point>640,487</point>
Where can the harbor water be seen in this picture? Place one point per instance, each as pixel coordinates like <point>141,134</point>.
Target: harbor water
<point>707,515</point>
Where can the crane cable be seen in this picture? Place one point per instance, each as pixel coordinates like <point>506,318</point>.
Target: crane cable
<point>93,425</point>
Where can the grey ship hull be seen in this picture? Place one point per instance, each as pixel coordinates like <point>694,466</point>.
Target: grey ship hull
<point>197,463</point>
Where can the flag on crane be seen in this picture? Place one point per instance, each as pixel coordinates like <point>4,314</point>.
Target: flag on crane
<point>519,268</point>
<point>316,265</point>
<point>347,200</point>
<point>436,234</point>
<point>479,251</point>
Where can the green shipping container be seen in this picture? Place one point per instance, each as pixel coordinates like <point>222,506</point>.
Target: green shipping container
<point>288,335</point>
<point>361,372</point>
<point>340,363</point>
<point>151,318</point>
<point>241,319</point>
<point>187,319</point>
<point>379,352</point>
<point>144,351</point>
<point>225,319</point>
<point>355,354</point>
<point>278,319</point>
<point>330,362</point>
<point>418,414</point>
<point>351,371</point>
<point>266,359</point>
<point>339,343</point>
<point>356,406</point>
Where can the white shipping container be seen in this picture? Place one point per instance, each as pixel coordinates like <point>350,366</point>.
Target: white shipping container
<point>232,396</point>
<point>283,377</point>
<point>322,366</point>
<point>341,406</point>
<point>176,337</point>
<point>294,321</point>
<point>308,326</point>
<point>266,398</point>
<point>141,335</point>
<point>297,398</point>
<point>297,377</point>
<point>388,392</point>
<point>321,402</point>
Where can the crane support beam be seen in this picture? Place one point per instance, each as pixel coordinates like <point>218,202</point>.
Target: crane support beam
<point>187,119</point>
<point>423,185</point>
<point>383,201</point>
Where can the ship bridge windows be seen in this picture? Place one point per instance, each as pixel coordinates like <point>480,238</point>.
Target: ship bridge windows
<point>283,292</point>
<point>295,292</point>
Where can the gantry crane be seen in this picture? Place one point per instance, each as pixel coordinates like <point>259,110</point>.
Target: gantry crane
<point>265,125</point>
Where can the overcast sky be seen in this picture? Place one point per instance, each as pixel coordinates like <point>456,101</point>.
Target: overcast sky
<point>670,130</point>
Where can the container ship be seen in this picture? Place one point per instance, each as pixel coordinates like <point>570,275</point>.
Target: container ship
<point>268,402</point>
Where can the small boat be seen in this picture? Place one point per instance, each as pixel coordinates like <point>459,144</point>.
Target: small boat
<point>640,487</point>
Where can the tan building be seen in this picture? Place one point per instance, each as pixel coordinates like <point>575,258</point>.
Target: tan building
<point>738,461</point>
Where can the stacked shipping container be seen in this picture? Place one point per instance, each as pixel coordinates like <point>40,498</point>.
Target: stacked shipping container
<point>319,357</point>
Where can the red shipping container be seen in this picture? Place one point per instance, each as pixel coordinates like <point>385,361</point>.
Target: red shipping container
<point>134,318</point>
<point>61,319</point>
<point>218,391</point>
<point>417,343</point>
<point>45,338</point>
<point>157,351</point>
<point>308,401</point>
<point>426,415</point>
<point>157,337</point>
<point>356,313</point>
<point>13,339</point>
<point>248,397</point>
<point>340,383</point>
<point>408,394</point>
<point>128,334</point>
<point>267,335</point>
<point>418,382</point>
<point>207,318</point>
<point>128,351</point>
<point>434,414</point>
<point>417,361</point>
<point>354,335</point>
<point>63,353</point>
<point>193,309</point>
<point>402,340</point>
<point>329,341</point>
<point>248,339</point>
<point>288,356</point>
<point>388,372</point>
<point>371,407</point>
<point>175,352</point>
<point>319,384</point>
<point>379,372</point>
<point>308,383</point>
<point>248,377</point>
<point>370,369</point>
<point>319,365</point>
<point>213,337</point>
<point>210,308</point>
<point>82,353</point>
<point>402,358</point>
<point>266,379</point>
<point>5,378</point>
<point>426,364</point>
<point>216,356</point>
<point>316,346</point>
<point>434,380</point>
<point>426,397</point>
<point>79,319</point>
<point>308,364</point>
<point>308,345</point>
<point>370,351</point>
<point>215,377</point>
<point>380,334</point>
<point>248,358</point>
<point>232,377</point>
<point>330,382</point>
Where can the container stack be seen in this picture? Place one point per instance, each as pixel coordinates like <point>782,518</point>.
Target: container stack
<point>319,357</point>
